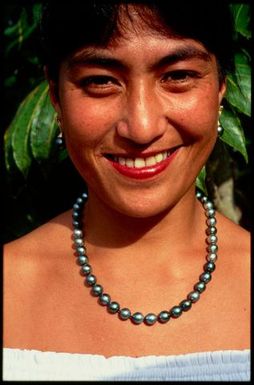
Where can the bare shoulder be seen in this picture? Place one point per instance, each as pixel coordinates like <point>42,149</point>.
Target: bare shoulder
<point>43,239</point>
<point>234,255</point>
<point>29,259</point>
<point>233,237</point>
<point>32,267</point>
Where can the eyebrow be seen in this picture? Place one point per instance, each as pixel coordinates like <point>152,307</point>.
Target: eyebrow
<point>91,57</point>
<point>182,54</point>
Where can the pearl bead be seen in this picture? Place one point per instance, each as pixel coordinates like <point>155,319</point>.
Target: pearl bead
<point>211,239</point>
<point>205,277</point>
<point>113,307</point>
<point>193,296</point>
<point>210,213</point>
<point>76,207</point>
<point>75,215</point>
<point>104,299</point>
<point>81,250</point>
<point>208,205</point>
<point>96,290</point>
<point>175,312</point>
<point>209,267</point>
<point>79,201</point>
<point>150,319</point>
<point>185,305</point>
<point>212,248</point>
<point>220,130</point>
<point>198,194</point>
<point>79,242</point>
<point>200,286</point>
<point>76,224</point>
<point>211,221</point>
<point>137,318</point>
<point>84,196</point>
<point>212,257</point>
<point>82,259</point>
<point>78,233</point>
<point>164,316</point>
<point>211,230</point>
<point>204,199</point>
<point>86,269</point>
<point>124,314</point>
<point>91,279</point>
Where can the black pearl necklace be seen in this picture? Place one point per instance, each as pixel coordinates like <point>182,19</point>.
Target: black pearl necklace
<point>124,313</point>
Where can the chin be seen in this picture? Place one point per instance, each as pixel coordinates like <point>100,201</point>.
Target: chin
<point>143,208</point>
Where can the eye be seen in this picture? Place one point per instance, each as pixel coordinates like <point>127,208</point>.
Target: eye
<point>99,80</point>
<point>179,80</point>
<point>179,76</point>
<point>99,85</point>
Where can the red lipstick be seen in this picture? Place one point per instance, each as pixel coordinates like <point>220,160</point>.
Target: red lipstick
<point>143,172</point>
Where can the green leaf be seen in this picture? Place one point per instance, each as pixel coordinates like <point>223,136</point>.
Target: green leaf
<point>238,95</point>
<point>62,155</point>
<point>243,76</point>
<point>19,32</point>
<point>201,180</point>
<point>233,133</point>
<point>43,127</point>
<point>20,129</point>
<point>8,151</point>
<point>10,81</point>
<point>37,10</point>
<point>241,13</point>
<point>12,30</point>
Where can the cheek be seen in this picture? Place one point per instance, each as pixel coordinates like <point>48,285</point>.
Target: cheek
<point>198,114</point>
<point>86,123</point>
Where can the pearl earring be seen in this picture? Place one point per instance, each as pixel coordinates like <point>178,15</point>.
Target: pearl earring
<point>60,138</point>
<point>220,129</point>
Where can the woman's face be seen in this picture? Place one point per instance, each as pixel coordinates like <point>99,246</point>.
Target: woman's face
<point>140,118</point>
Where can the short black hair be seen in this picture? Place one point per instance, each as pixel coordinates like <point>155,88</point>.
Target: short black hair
<point>68,26</point>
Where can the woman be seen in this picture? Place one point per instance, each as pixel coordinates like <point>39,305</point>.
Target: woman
<point>137,88</point>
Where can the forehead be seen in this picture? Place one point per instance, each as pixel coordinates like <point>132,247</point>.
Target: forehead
<point>140,29</point>
<point>141,50</point>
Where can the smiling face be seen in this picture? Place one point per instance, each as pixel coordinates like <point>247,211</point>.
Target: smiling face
<point>139,118</point>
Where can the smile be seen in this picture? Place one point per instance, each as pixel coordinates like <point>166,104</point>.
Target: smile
<point>142,162</point>
<point>142,167</point>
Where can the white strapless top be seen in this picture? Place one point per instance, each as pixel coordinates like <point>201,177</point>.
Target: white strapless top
<point>34,365</point>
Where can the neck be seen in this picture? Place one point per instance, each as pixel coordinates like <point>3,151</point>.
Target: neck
<point>107,228</point>
<point>142,268</point>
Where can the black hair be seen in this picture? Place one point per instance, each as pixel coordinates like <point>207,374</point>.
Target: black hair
<point>68,26</point>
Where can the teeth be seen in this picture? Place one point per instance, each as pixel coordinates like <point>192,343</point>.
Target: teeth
<point>158,157</point>
<point>142,162</point>
<point>139,162</point>
<point>129,162</point>
<point>121,161</point>
<point>150,161</point>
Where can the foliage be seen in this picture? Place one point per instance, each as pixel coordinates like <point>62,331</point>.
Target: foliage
<point>224,163</point>
<point>29,142</point>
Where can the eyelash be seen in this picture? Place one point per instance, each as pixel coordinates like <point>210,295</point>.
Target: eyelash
<point>180,76</point>
<point>104,84</point>
<point>98,81</point>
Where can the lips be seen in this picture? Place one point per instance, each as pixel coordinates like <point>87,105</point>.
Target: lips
<point>142,167</point>
<point>140,162</point>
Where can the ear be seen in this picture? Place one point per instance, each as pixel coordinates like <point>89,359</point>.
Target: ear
<point>222,90</point>
<point>53,92</point>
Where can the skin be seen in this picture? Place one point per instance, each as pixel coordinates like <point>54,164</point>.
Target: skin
<point>148,98</point>
<point>139,108</point>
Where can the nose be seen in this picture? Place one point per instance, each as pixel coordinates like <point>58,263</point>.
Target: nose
<point>143,119</point>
